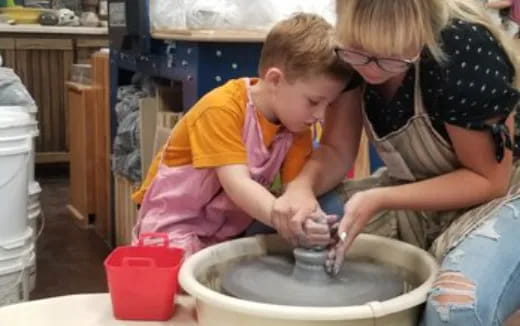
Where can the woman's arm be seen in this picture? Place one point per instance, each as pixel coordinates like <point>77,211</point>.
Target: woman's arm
<point>501,4</point>
<point>326,168</point>
<point>339,145</point>
<point>480,179</point>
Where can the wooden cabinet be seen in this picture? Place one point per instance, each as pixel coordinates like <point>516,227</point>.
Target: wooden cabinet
<point>102,148</point>
<point>89,125</point>
<point>82,110</point>
<point>43,62</point>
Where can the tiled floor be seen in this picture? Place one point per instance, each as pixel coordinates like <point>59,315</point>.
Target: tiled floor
<point>69,259</point>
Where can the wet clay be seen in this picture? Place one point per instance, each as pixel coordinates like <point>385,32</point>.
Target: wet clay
<point>303,281</point>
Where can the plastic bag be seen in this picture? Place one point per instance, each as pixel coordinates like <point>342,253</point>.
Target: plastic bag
<point>263,14</point>
<point>12,90</point>
<point>213,14</point>
<point>324,8</point>
<point>126,151</point>
<point>128,166</point>
<point>233,14</point>
<point>128,134</point>
<point>129,96</point>
<point>168,14</point>
<point>126,158</point>
<point>251,14</point>
<point>145,84</point>
<point>244,15</point>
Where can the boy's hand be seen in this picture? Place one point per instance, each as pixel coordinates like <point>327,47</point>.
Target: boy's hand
<point>289,213</point>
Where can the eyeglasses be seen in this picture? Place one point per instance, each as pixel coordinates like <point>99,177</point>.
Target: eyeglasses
<point>387,64</point>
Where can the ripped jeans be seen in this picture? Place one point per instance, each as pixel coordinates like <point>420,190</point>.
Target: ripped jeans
<point>479,282</point>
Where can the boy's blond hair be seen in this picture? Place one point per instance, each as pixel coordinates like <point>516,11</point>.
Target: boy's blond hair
<point>302,46</point>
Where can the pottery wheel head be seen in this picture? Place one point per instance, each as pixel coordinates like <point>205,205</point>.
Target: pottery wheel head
<point>302,281</point>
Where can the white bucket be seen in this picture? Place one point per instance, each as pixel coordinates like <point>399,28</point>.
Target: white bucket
<point>34,209</point>
<point>15,280</point>
<point>32,273</point>
<point>14,252</point>
<point>34,193</point>
<point>33,224</point>
<point>33,203</point>
<point>15,146</point>
<point>32,111</point>
<point>11,251</point>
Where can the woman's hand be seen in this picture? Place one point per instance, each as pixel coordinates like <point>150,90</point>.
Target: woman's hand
<point>359,209</point>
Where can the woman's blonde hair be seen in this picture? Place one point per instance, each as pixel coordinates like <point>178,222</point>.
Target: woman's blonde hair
<point>400,27</point>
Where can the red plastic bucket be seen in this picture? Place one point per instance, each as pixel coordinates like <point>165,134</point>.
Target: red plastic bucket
<point>143,280</point>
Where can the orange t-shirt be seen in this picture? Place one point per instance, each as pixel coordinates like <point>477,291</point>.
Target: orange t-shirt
<point>210,135</point>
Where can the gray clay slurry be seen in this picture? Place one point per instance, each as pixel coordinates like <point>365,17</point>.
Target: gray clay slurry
<point>304,282</point>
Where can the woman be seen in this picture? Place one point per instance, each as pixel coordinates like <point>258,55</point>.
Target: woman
<point>438,88</point>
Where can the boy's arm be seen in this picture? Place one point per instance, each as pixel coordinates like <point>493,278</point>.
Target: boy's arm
<point>258,202</point>
<point>246,193</point>
<point>216,143</point>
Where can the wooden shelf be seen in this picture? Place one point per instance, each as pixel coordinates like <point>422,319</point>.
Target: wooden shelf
<point>253,36</point>
<point>43,62</point>
<point>56,157</point>
<point>39,29</point>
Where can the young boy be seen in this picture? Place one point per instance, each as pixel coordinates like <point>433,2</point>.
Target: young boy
<point>212,177</point>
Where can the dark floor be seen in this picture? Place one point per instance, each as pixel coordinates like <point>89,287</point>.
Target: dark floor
<point>69,259</point>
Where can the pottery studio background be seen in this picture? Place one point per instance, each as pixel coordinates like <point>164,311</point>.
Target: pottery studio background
<point>89,93</point>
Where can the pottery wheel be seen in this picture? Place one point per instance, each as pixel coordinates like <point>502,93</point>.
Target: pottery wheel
<point>302,281</point>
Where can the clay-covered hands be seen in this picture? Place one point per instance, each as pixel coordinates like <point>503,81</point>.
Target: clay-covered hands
<point>317,228</point>
<point>359,209</point>
<point>289,213</point>
<point>299,219</point>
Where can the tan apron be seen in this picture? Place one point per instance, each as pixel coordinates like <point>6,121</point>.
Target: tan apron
<point>413,153</point>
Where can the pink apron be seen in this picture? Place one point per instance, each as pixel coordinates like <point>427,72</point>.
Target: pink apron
<point>190,205</point>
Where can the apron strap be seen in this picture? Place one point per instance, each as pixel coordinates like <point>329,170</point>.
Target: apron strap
<point>418,99</point>
<point>161,161</point>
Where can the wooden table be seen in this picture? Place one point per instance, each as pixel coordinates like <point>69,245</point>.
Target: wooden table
<point>85,310</point>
